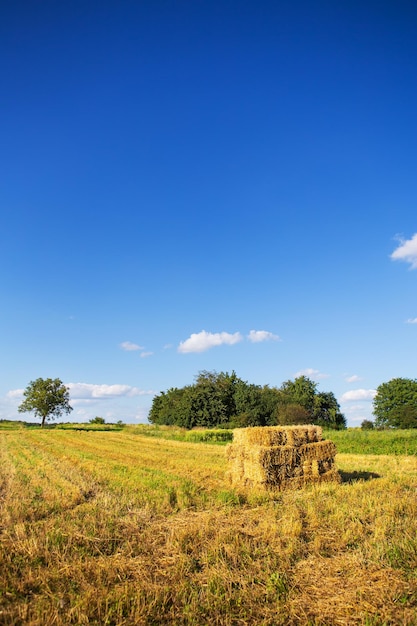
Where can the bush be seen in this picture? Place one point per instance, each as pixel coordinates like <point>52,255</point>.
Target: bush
<point>97,420</point>
<point>209,436</point>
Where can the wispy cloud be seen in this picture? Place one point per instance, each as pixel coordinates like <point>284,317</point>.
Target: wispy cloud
<point>202,341</point>
<point>311,373</point>
<point>412,320</point>
<point>407,251</point>
<point>86,391</point>
<point>144,355</point>
<point>128,346</point>
<point>358,394</point>
<point>10,402</point>
<point>356,413</point>
<point>352,379</point>
<point>15,393</point>
<point>256,336</point>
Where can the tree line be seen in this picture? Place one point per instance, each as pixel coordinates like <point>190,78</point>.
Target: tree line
<point>225,400</point>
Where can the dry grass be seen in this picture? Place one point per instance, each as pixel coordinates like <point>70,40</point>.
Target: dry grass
<point>110,528</point>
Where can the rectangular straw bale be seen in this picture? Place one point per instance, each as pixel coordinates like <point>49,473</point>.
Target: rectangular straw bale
<point>332,476</point>
<point>236,464</point>
<point>244,464</point>
<point>291,483</point>
<point>243,453</point>
<point>231,451</point>
<point>277,458</point>
<point>260,436</point>
<point>277,435</point>
<point>276,455</point>
<point>314,433</point>
<point>263,455</point>
<point>281,482</point>
<point>298,436</point>
<point>252,475</point>
<point>282,455</point>
<point>326,465</point>
<point>319,450</point>
<point>255,472</point>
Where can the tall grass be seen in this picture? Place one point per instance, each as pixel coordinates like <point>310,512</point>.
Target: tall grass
<point>357,441</point>
<point>197,435</point>
<point>351,441</point>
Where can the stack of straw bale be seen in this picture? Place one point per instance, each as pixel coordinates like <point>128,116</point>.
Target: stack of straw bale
<point>280,457</point>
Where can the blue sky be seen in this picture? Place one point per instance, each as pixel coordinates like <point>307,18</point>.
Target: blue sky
<point>192,186</point>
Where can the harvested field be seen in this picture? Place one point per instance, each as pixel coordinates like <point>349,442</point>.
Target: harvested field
<point>121,529</point>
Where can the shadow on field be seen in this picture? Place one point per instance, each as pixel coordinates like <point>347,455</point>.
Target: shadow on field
<point>353,477</point>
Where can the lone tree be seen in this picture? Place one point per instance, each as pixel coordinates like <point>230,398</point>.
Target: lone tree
<point>395,404</point>
<point>47,398</point>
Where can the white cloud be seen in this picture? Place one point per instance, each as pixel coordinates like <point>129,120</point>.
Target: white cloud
<point>15,393</point>
<point>407,251</point>
<point>144,355</point>
<point>9,404</point>
<point>142,414</point>
<point>130,347</point>
<point>358,394</point>
<point>412,320</point>
<point>353,379</point>
<point>311,373</point>
<point>87,391</point>
<point>356,413</point>
<point>256,336</point>
<point>199,342</point>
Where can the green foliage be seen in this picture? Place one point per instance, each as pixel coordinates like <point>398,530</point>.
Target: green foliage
<point>224,400</point>
<point>395,404</point>
<point>301,391</point>
<point>209,402</point>
<point>87,426</point>
<point>320,408</point>
<point>47,398</point>
<point>198,435</point>
<point>209,436</point>
<point>327,411</point>
<point>255,405</point>
<point>291,414</point>
<point>12,424</point>
<point>212,398</point>
<point>157,431</point>
<point>367,425</point>
<point>98,420</point>
<point>169,407</point>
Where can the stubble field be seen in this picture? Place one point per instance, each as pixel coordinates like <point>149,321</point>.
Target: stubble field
<point>120,528</point>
